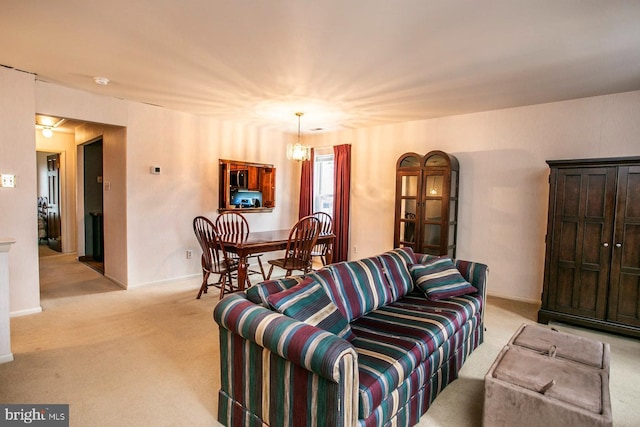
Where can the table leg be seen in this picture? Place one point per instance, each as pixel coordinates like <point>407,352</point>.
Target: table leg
<point>242,272</point>
<point>329,255</point>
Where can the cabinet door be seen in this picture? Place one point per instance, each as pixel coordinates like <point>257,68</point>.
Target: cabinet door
<point>624,298</point>
<point>253,182</point>
<point>582,240</point>
<point>407,209</point>
<point>435,215</point>
<point>268,187</point>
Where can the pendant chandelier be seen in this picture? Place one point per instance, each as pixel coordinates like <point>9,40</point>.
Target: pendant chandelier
<point>299,151</point>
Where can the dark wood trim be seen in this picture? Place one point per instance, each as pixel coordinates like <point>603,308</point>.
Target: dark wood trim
<point>607,161</point>
<point>545,316</point>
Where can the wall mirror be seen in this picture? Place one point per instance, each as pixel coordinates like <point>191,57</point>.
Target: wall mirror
<point>247,187</point>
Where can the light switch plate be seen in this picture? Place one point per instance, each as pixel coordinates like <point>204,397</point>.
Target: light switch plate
<point>8,180</point>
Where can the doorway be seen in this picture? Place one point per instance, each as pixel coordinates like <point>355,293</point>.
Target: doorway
<point>49,201</point>
<point>69,139</point>
<point>93,205</point>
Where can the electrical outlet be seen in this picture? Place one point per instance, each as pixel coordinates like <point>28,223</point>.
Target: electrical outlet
<point>189,254</point>
<point>355,249</point>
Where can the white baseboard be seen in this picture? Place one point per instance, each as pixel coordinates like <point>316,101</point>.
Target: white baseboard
<point>116,281</point>
<point>165,281</point>
<point>25,312</point>
<point>4,358</point>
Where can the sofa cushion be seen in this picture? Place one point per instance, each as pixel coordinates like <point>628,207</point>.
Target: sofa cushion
<point>259,293</point>
<point>424,258</point>
<point>393,340</point>
<point>308,302</point>
<point>463,306</point>
<point>326,278</point>
<point>396,267</point>
<point>362,284</point>
<point>439,278</point>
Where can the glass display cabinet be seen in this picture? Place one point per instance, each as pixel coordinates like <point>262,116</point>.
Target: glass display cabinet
<point>426,208</point>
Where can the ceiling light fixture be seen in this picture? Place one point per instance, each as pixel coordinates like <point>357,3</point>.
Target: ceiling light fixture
<point>48,124</point>
<point>298,151</point>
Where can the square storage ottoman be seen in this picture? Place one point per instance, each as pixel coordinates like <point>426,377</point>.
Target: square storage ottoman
<point>536,387</point>
<point>562,345</point>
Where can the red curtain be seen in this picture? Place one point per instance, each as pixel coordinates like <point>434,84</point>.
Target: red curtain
<point>341,193</point>
<point>305,207</point>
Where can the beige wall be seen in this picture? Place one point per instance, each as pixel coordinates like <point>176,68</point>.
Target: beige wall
<point>114,202</point>
<point>503,176</point>
<point>161,208</point>
<point>18,217</point>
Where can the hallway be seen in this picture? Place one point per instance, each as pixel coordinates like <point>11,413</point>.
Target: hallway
<point>62,275</point>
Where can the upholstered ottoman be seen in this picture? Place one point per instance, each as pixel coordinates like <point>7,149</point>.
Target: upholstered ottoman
<point>565,346</point>
<point>533,387</point>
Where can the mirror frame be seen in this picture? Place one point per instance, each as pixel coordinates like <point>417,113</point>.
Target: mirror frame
<point>264,175</point>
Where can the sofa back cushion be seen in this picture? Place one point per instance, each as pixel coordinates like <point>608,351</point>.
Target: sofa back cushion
<point>325,277</point>
<point>396,268</point>
<point>362,285</point>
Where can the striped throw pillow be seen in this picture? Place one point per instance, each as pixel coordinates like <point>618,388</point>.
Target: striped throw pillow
<point>259,293</point>
<point>396,267</point>
<point>439,278</point>
<point>308,302</point>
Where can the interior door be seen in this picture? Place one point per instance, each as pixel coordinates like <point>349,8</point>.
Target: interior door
<point>53,212</point>
<point>583,232</point>
<point>624,297</point>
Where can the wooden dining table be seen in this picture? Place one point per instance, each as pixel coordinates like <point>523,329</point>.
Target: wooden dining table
<point>263,241</point>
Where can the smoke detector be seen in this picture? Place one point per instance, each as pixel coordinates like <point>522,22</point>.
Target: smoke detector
<point>102,81</point>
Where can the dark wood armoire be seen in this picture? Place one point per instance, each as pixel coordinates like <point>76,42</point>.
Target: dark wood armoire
<point>592,261</point>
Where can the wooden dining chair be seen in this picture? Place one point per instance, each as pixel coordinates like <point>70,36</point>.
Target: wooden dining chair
<point>326,227</point>
<point>297,255</point>
<point>214,258</point>
<point>234,223</point>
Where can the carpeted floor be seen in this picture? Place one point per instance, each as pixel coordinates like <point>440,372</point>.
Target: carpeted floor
<point>149,356</point>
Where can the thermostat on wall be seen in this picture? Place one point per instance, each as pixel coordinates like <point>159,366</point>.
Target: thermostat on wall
<point>155,170</point>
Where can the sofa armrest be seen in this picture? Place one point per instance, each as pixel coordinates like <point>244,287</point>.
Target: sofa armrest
<point>262,351</point>
<point>475,273</point>
<point>312,348</point>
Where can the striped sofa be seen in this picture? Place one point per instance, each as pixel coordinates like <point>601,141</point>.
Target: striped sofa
<point>400,351</point>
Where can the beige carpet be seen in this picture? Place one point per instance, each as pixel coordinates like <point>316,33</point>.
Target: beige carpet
<point>149,356</point>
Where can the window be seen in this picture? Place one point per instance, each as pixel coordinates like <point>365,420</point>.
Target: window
<point>323,182</point>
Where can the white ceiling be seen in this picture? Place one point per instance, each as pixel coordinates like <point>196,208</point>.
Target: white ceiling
<point>344,63</point>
